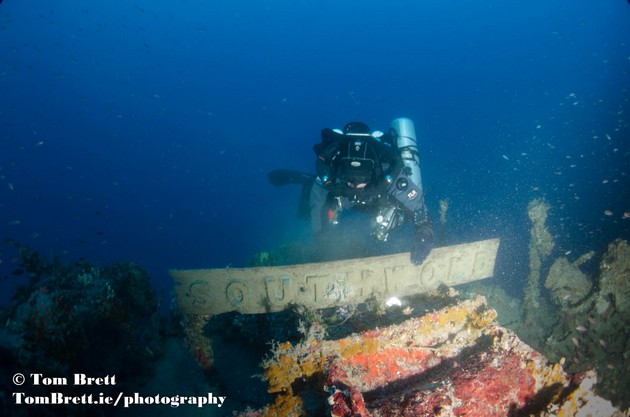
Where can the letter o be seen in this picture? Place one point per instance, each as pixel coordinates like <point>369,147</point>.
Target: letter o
<point>427,273</point>
<point>236,292</point>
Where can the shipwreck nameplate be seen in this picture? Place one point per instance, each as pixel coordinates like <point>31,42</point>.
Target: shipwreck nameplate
<point>329,284</point>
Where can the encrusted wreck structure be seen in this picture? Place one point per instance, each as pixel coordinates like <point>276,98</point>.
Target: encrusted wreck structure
<point>454,361</point>
<point>592,319</point>
<point>581,315</point>
<point>540,246</point>
<point>434,352</point>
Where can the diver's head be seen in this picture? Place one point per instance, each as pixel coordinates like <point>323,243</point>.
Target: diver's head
<point>356,128</point>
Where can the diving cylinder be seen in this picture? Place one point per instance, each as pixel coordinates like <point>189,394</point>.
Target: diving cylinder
<point>408,147</point>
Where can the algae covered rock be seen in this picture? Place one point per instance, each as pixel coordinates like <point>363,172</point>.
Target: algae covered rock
<point>615,278</point>
<point>567,284</point>
<point>591,331</point>
<point>79,318</point>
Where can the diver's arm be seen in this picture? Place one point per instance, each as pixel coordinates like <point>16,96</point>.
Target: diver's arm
<point>423,242</point>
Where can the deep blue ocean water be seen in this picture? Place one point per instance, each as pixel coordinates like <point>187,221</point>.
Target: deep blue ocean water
<point>144,130</point>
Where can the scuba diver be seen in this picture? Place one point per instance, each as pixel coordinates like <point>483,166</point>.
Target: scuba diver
<point>358,169</point>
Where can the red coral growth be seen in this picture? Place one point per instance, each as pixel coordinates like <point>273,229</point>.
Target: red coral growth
<point>348,403</point>
<point>206,362</point>
<point>371,334</point>
<point>424,403</point>
<point>388,365</point>
<point>495,385</point>
<point>345,401</point>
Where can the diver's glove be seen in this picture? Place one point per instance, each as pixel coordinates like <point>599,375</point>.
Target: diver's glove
<point>423,244</point>
<point>424,237</point>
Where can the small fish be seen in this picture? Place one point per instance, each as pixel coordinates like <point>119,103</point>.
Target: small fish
<point>591,320</point>
<point>581,328</point>
<point>608,213</point>
<point>626,215</point>
<point>505,157</point>
<point>575,342</point>
<point>603,343</point>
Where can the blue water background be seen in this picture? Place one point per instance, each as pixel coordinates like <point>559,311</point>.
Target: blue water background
<point>144,130</point>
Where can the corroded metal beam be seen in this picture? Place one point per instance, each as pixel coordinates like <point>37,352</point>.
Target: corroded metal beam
<point>330,284</point>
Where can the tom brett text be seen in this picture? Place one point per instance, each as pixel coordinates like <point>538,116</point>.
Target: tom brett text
<point>121,399</point>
